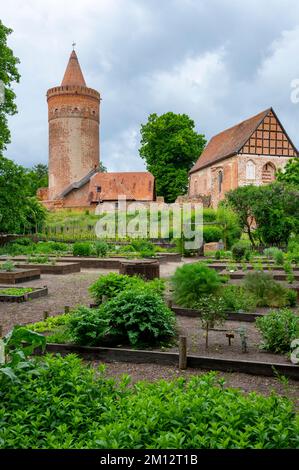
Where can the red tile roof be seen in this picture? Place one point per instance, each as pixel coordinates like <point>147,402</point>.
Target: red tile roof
<point>73,75</point>
<point>136,186</point>
<point>229,142</point>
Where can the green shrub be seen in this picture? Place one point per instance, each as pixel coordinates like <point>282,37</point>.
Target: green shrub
<point>278,330</point>
<point>271,252</point>
<point>209,215</point>
<point>101,248</point>
<point>218,254</point>
<point>191,281</point>
<point>267,291</point>
<point>126,249</point>
<point>279,257</point>
<point>212,313</point>
<point>291,297</point>
<point>112,284</point>
<point>211,234</point>
<point>241,250</point>
<point>142,245</point>
<point>88,326</point>
<point>140,317</point>
<point>59,403</point>
<point>7,266</point>
<point>38,259</point>
<point>82,249</point>
<point>237,298</point>
<point>24,241</point>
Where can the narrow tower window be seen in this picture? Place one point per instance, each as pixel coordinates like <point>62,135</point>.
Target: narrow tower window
<point>220,181</point>
<point>250,170</point>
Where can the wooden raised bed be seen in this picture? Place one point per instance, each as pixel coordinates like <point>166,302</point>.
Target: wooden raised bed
<point>231,316</point>
<point>276,275</point>
<point>171,358</point>
<point>35,294</point>
<point>147,269</point>
<point>59,268</point>
<point>19,275</point>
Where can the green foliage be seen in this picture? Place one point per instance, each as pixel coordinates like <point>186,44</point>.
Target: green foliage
<point>191,281</point>
<point>24,241</point>
<point>211,233</point>
<point>241,250</point>
<point>38,260</point>
<point>230,226</point>
<point>236,299</point>
<point>134,316</point>
<point>82,249</point>
<point>170,146</point>
<point>209,215</point>
<point>101,248</point>
<point>278,329</point>
<point>15,291</point>
<point>8,74</point>
<point>279,257</point>
<point>290,173</point>
<point>139,317</point>
<point>212,313</point>
<point>267,291</point>
<point>51,323</point>
<point>70,405</point>
<point>8,266</point>
<point>112,284</point>
<point>291,297</point>
<point>37,177</point>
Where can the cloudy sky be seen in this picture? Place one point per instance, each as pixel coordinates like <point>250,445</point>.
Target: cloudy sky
<point>219,61</point>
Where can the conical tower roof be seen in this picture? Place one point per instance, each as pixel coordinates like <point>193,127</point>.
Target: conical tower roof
<point>73,75</point>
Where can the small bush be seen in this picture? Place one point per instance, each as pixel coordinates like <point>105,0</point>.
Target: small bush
<point>191,281</point>
<point>241,250</point>
<point>279,257</point>
<point>88,326</point>
<point>291,297</point>
<point>142,245</point>
<point>236,298</point>
<point>112,284</point>
<point>8,266</point>
<point>139,317</point>
<point>211,234</point>
<point>267,291</point>
<point>101,248</point>
<point>271,252</point>
<point>82,249</point>
<point>24,241</point>
<point>278,329</point>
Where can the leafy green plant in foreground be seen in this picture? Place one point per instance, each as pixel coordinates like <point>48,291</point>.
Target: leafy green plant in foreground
<point>59,403</point>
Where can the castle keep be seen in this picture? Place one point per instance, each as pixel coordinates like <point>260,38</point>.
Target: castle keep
<point>74,150</point>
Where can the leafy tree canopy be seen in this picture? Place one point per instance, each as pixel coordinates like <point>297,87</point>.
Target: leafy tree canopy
<point>290,174</point>
<point>170,146</point>
<point>37,177</point>
<point>8,74</point>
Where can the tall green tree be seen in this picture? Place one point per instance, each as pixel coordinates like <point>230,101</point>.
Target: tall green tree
<point>170,146</point>
<point>290,174</point>
<point>37,177</point>
<point>8,74</point>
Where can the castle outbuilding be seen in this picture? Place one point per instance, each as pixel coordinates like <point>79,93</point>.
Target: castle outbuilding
<point>74,150</point>
<point>249,153</point>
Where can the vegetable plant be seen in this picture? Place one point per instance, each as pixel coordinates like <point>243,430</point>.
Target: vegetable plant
<point>278,330</point>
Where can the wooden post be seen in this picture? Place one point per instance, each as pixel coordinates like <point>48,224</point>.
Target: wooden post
<point>169,303</point>
<point>46,314</point>
<point>67,309</point>
<point>183,352</point>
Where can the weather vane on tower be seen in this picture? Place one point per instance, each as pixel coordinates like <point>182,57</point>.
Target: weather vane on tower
<point>73,45</point>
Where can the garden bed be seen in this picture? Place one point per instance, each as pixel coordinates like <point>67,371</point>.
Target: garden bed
<point>247,317</point>
<point>172,359</point>
<point>19,275</point>
<point>58,268</point>
<point>20,296</point>
<point>277,275</point>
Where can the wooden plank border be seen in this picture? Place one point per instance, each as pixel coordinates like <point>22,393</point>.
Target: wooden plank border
<point>170,358</point>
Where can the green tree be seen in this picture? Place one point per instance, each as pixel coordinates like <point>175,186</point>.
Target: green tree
<point>290,174</point>
<point>8,74</point>
<point>242,201</point>
<point>170,146</point>
<point>37,177</point>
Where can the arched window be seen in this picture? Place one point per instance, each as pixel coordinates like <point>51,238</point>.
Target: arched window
<point>250,170</point>
<point>220,180</point>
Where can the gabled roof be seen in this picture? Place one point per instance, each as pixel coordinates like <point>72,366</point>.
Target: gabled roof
<point>78,184</point>
<point>136,186</point>
<point>230,141</point>
<point>73,75</point>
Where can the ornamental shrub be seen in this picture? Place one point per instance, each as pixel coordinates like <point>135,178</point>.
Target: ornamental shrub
<point>211,234</point>
<point>112,284</point>
<point>267,291</point>
<point>278,330</point>
<point>101,248</point>
<point>134,316</point>
<point>191,281</point>
<point>241,250</point>
<point>82,249</point>
<point>71,405</point>
<point>236,298</point>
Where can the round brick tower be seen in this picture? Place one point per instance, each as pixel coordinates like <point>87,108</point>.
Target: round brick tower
<point>73,113</point>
